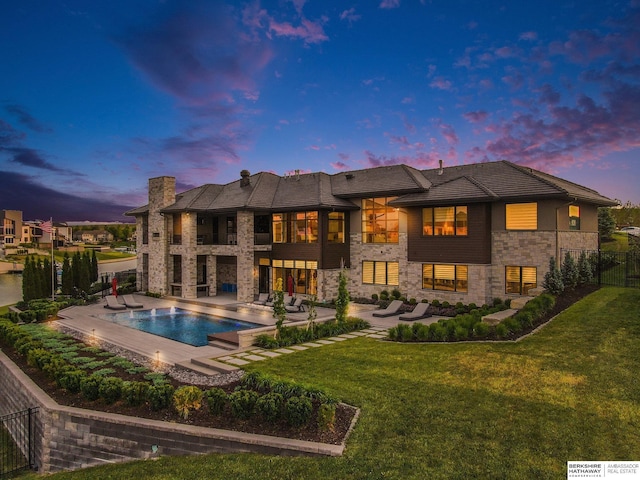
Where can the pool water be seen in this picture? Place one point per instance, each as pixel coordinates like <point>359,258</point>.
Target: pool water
<point>178,324</point>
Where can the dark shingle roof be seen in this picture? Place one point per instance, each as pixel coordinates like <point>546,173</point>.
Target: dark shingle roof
<point>380,181</point>
<point>479,182</point>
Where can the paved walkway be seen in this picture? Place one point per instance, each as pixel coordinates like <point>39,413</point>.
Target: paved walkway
<point>86,319</point>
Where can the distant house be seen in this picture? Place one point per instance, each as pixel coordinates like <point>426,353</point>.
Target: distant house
<point>10,228</point>
<point>467,233</point>
<point>94,236</point>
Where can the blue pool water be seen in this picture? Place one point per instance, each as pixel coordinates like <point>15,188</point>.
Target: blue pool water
<point>183,326</point>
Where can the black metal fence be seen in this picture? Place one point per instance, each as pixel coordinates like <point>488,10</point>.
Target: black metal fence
<point>619,269</point>
<point>17,442</point>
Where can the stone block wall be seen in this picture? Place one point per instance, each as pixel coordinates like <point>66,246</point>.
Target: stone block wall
<point>70,438</point>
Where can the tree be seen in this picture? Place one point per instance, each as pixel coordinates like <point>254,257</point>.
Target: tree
<point>342,302</point>
<point>47,278</point>
<point>313,313</point>
<point>585,273</point>
<point>27,280</point>
<point>553,279</point>
<point>279,312</point>
<point>67,276</point>
<point>606,223</point>
<point>570,273</point>
<point>94,267</point>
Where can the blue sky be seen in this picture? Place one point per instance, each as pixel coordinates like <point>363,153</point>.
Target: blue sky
<point>96,97</point>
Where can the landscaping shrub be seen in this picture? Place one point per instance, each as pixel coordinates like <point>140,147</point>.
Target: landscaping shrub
<point>187,398</point>
<point>111,389</point>
<point>481,329</point>
<point>297,411</point>
<point>326,417</point>
<point>243,403</point>
<point>502,330</point>
<point>72,379</point>
<point>270,406</point>
<point>134,393</point>
<point>216,400</point>
<point>39,357</point>
<point>159,395</point>
<point>90,387</point>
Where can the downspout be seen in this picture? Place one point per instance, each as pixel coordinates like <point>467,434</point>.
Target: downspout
<point>558,259</point>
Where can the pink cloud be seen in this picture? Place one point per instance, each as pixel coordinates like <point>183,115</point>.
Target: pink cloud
<point>440,83</point>
<point>449,134</point>
<point>388,4</point>
<point>528,36</point>
<point>339,166</point>
<point>310,32</point>
<point>475,117</point>
<point>350,15</point>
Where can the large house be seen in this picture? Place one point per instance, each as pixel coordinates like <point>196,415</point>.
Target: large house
<point>467,233</point>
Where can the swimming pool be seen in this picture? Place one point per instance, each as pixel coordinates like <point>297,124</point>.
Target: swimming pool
<point>178,324</point>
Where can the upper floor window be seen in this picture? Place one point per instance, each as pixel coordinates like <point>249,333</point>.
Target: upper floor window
<point>380,273</point>
<point>522,216</point>
<point>295,227</point>
<point>452,278</point>
<point>574,217</point>
<point>336,227</point>
<point>445,221</point>
<point>380,223</point>
<point>520,279</point>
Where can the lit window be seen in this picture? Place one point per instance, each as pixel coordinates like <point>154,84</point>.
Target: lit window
<point>295,227</point>
<point>380,223</point>
<point>336,227</point>
<point>520,280</point>
<point>574,217</point>
<point>452,278</point>
<point>522,216</point>
<point>380,273</point>
<point>444,221</point>
<point>303,273</point>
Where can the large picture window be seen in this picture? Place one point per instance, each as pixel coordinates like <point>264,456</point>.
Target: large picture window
<point>295,227</point>
<point>520,280</point>
<point>452,278</point>
<point>299,275</point>
<point>380,273</point>
<point>522,216</point>
<point>380,223</point>
<point>336,227</point>
<point>445,221</point>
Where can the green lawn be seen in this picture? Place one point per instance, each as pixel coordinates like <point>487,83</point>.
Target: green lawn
<point>619,242</point>
<point>460,411</point>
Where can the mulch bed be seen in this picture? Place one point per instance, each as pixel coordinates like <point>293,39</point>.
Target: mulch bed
<point>201,417</point>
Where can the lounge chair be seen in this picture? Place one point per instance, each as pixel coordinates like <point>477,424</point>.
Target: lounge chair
<point>391,310</point>
<point>296,306</point>
<point>287,300</point>
<point>263,298</point>
<point>420,311</point>
<point>113,304</point>
<point>130,302</point>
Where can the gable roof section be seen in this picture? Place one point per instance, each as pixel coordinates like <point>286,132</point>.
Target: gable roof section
<point>462,189</point>
<point>380,181</point>
<point>312,190</point>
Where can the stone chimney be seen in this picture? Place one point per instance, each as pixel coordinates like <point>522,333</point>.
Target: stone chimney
<point>245,178</point>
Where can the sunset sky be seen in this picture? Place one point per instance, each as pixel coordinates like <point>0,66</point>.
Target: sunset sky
<point>96,97</point>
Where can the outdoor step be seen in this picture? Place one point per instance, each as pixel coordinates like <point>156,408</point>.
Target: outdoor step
<point>223,345</point>
<point>230,339</point>
<point>495,318</point>
<point>213,365</point>
<point>197,368</point>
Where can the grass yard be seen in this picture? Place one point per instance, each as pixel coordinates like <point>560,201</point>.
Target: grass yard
<point>459,411</point>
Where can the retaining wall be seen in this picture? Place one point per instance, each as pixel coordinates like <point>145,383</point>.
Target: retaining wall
<point>70,438</point>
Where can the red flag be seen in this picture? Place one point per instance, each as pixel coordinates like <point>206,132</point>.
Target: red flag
<point>46,227</point>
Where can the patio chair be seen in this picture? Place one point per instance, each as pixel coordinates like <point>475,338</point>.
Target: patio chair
<point>391,310</point>
<point>113,304</point>
<point>263,298</point>
<point>420,311</point>
<point>296,306</point>
<point>130,302</point>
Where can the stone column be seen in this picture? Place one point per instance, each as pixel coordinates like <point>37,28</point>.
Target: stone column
<point>162,193</point>
<point>189,255</point>
<point>245,256</point>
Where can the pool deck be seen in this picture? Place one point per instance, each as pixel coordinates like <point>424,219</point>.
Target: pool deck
<point>85,319</point>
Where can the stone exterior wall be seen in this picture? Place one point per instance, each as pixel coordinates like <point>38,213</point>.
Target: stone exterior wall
<point>162,192</point>
<point>70,438</point>
<point>244,276</point>
<point>530,249</point>
<point>575,240</point>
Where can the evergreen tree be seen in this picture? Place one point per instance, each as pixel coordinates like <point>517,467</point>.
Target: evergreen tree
<point>84,283</point>
<point>553,279</point>
<point>27,280</point>
<point>75,269</point>
<point>67,276</point>
<point>40,281</point>
<point>46,278</point>
<point>342,302</point>
<point>606,223</point>
<point>570,273</point>
<point>94,267</point>
<point>584,269</point>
